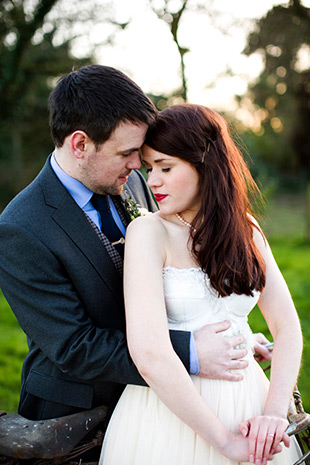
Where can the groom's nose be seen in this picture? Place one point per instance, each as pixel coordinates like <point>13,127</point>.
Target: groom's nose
<point>134,162</point>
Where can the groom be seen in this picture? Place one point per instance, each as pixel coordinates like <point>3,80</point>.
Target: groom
<point>61,269</point>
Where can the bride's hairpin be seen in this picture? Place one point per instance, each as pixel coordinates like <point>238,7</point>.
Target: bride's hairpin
<point>207,149</point>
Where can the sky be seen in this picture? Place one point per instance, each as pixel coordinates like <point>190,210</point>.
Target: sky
<point>145,49</point>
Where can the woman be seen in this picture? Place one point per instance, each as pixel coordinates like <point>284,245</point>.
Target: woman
<point>202,258</point>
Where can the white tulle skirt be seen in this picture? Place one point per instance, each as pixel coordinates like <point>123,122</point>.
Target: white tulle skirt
<point>143,431</point>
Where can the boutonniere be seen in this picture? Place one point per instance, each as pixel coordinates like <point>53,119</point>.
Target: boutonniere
<point>133,208</point>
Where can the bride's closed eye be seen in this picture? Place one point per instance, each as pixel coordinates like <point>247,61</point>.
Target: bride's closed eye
<point>164,170</point>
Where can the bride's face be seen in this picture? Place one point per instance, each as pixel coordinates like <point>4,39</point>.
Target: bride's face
<point>174,182</point>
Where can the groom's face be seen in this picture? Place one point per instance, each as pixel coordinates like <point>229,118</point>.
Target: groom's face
<point>107,169</point>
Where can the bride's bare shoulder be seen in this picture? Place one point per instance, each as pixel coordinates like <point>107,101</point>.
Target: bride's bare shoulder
<point>150,223</point>
<point>146,236</point>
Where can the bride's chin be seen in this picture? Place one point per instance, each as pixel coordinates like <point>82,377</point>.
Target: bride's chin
<point>167,211</point>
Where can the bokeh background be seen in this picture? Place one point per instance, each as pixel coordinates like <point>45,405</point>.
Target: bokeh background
<point>249,60</point>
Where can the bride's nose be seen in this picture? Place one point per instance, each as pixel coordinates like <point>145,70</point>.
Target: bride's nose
<point>154,179</point>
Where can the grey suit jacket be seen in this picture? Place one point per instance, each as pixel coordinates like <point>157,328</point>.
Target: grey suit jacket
<point>67,296</point>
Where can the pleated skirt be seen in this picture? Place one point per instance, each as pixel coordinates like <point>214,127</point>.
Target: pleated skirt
<point>143,431</point>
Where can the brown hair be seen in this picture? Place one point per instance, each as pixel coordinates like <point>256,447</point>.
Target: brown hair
<point>223,241</point>
<point>96,99</point>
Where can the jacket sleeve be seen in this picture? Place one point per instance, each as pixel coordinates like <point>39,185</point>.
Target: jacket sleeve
<point>48,307</point>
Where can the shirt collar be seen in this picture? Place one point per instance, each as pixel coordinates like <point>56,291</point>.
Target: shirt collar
<point>80,193</point>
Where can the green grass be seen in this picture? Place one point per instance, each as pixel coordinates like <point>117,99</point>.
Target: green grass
<point>283,226</point>
<point>13,349</point>
<point>285,216</point>
<point>293,258</point>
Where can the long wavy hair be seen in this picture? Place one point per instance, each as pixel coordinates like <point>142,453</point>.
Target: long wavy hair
<point>222,242</point>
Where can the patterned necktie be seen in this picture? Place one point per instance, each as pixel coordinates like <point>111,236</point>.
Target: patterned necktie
<point>108,225</point>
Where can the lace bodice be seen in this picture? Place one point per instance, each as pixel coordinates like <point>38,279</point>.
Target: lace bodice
<point>191,303</point>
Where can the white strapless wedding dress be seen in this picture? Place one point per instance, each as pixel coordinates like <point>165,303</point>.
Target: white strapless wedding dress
<point>143,431</point>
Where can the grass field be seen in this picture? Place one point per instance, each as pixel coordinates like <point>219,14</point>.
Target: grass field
<point>283,226</point>
<point>13,349</point>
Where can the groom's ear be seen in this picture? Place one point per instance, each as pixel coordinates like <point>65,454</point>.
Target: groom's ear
<point>79,143</point>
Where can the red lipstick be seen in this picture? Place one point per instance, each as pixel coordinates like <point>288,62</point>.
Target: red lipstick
<point>159,197</point>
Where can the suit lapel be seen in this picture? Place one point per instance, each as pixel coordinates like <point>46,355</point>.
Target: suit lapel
<point>72,220</point>
<point>119,204</point>
<point>113,253</point>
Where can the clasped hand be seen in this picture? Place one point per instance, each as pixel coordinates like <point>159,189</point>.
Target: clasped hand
<point>264,434</point>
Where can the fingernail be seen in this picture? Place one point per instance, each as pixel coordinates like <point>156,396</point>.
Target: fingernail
<point>257,462</point>
<point>252,458</point>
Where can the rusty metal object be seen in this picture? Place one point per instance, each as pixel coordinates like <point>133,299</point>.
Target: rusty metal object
<point>299,426</point>
<point>301,422</point>
<point>26,439</point>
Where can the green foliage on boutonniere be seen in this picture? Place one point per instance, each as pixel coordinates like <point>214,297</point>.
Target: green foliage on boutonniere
<point>133,208</point>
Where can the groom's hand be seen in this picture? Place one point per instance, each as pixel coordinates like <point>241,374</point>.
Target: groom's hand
<point>216,352</point>
<point>262,348</point>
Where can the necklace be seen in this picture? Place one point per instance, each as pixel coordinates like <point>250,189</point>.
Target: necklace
<point>189,225</point>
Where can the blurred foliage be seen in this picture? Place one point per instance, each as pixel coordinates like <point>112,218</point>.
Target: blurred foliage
<point>278,102</point>
<point>26,76</point>
<point>281,94</point>
<point>36,40</point>
<point>293,258</point>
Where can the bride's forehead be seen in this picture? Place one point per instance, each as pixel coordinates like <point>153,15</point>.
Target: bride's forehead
<point>151,155</point>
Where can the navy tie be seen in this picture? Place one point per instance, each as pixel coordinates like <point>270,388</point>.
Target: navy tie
<point>108,225</point>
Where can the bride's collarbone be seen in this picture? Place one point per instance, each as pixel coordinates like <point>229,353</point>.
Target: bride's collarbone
<point>179,258</point>
<point>178,248</point>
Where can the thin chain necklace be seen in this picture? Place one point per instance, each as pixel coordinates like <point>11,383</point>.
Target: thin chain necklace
<point>189,225</point>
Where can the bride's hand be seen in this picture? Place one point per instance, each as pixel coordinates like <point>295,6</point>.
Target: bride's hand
<point>265,434</point>
<point>237,448</point>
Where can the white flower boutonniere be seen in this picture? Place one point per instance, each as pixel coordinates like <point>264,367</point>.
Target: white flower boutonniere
<point>134,209</point>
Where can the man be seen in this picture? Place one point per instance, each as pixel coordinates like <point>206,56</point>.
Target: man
<point>62,274</point>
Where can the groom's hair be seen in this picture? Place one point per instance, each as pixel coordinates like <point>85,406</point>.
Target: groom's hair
<point>95,99</point>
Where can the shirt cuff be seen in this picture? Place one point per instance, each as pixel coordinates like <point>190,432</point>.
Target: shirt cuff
<point>193,357</point>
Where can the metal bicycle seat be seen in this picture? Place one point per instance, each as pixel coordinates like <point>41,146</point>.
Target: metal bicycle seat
<point>48,439</point>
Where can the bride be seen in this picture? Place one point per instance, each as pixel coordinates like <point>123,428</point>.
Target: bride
<point>202,258</point>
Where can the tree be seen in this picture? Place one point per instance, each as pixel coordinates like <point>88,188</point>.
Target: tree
<point>282,91</point>
<point>173,18</point>
<point>35,49</point>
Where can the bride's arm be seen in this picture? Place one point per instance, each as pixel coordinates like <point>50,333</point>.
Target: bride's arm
<point>149,343</point>
<point>281,317</point>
